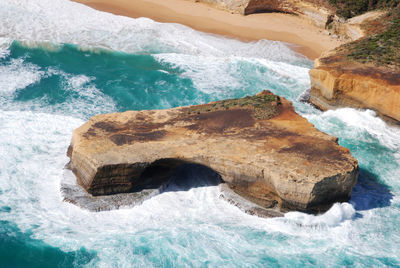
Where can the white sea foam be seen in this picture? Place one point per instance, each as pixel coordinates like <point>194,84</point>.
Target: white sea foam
<point>4,44</point>
<point>193,227</point>
<point>364,127</point>
<point>61,21</point>
<point>175,221</point>
<point>376,146</point>
<point>209,74</point>
<point>230,76</point>
<point>30,183</point>
<point>18,75</point>
<point>333,217</point>
<point>216,65</point>
<point>367,121</point>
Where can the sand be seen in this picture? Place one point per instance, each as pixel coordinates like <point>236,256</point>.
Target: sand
<point>304,37</point>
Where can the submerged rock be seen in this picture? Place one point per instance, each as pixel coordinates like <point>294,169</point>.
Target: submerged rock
<point>259,146</point>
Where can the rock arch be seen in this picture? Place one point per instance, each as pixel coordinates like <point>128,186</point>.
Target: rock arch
<point>258,145</point>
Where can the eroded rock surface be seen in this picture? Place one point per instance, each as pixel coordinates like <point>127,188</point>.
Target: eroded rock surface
<point>318,12</point>
<point>260,147</point>
<point>252,6</point>
<point>364,73</point>
<point>341,83</point>
<point>246,7</point>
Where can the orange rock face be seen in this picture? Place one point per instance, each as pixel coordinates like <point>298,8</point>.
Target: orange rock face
<point>355,85</point>
<point>252,6</point>
<point>259,146</point>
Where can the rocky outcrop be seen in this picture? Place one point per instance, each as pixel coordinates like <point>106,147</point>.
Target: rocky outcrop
<point>246,7</point>
<point>317,12</point>
<point>259,146</point>
<point>354,28</point>
<point>364,73</point>
<point>340,83</point>
<point>284,6</point>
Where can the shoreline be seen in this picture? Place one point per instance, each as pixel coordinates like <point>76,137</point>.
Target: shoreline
<point>300,35</point>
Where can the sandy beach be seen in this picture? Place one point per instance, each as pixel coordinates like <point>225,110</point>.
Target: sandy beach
<point>304,37</point>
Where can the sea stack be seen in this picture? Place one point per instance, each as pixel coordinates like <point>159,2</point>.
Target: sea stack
<point>262,149</point>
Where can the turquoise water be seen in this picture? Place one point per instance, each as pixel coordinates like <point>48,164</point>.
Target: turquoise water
<point>61,63</point>
<point>115,81</point>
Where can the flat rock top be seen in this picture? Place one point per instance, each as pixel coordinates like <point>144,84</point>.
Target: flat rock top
<point>246,130</point>
<point>259,145</point>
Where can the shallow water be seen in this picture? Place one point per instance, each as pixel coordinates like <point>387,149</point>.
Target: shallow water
<point>61,63</point>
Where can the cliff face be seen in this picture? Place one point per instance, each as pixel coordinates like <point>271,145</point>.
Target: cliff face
<point>348,84</point>
<point>364,73</point>
<point>259,146</point>
<point>317,12</point>
<point>246,7</point>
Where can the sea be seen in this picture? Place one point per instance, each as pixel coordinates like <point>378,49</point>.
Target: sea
<point>62,63</point>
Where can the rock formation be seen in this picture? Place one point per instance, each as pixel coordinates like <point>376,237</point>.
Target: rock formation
<point>350,84</point>
<point>246,7</point>
<point>337,81</point>
<point>364,73</point>
<point>317,12</point>
<point>262,149</point>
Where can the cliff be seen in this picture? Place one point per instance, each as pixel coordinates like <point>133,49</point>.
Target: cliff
<point>364,73</point>
<point>246,7</point>
<point>320,13</point>
<point>264,151</point>
<point>350,84</point>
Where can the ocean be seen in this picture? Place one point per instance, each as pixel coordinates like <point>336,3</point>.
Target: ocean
<point>62,62</point>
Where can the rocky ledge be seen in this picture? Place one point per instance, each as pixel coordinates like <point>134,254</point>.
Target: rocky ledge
<point>364,73</point>
<point>317,12</point>
<point>340,83</point>
<point>259,146</point>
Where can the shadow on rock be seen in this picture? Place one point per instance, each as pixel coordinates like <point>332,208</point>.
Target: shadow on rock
<point>188,176</point>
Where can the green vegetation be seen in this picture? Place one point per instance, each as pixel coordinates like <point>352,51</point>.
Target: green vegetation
<point>264,106</point>
<point>382,48</point>
<point>382,45</point>
<point>351,8</point>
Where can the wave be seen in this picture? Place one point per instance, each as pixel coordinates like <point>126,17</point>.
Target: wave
<point>178,222</point>
<point>60,21</point>
<point>141,64</point>
<point>46,77</point>
<point>18,75</point>
<point>372,141</point>
<point>337,214</point>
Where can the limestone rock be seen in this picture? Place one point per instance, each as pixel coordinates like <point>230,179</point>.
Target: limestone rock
<point>259,145</point>
<point>317,12</point>
<point>338,83</point>
<point>246,7</point>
